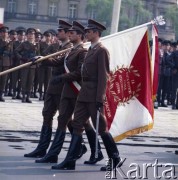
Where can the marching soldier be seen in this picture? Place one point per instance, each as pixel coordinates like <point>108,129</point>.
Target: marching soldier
<point>72,64</point>
<point>5,60</point>
<point>16,78</point>
<point>25,52</point>
<point>90,99</point>
<point>52,98</point>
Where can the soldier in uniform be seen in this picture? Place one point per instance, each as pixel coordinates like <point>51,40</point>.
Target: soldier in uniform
<point>38,38</point>
<point>12,39</point>
<point>174,60</point>
<point>165,73</point>
<point>72,63</point>
<point>5,60</point>
<point>90,99</point>
<point>16,78</point>
<point>53,95</point>
<point>25,52</point>
<point>44,72</point>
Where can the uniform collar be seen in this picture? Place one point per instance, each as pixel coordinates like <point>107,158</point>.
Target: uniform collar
<point>94,44</point>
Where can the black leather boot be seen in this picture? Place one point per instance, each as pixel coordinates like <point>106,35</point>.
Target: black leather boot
<point>72,155</point>
<point>35,95</point>
<point>43,144</point>
<point>28,100</point>
<point>176,152</point>
<point>55,149</point>
<point>1,97</point>
<point>112,152</point>
<point>91,135</point>
<point>23,97</point>
<point>18,96</point>
<point>41,97</point>
<point>83,149</point>
<point>14,95</point>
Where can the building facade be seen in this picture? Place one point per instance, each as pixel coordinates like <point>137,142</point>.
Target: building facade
<point>44,14</point>
<point>159,7</point>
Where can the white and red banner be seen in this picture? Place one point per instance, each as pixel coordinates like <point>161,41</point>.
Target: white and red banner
<point>129,105</point>
<point>1,17</point>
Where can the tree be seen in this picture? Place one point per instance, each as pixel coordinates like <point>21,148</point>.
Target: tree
<point>172,14</point>
<point>103,11</point>
<point>133,13</point>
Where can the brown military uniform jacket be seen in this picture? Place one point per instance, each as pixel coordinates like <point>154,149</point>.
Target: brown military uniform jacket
<point>5,53</point>
<point>57,88</point>
<point>26,51</point>
<point>45,49</point>
<point>74,62</point>
<point>16,60</point>
<point>95,71</point>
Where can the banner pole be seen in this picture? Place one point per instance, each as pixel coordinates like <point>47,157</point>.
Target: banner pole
<point>30,63</point>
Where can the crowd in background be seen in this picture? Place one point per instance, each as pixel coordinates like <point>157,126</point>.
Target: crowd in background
<point>167,93</point>
<point>16,48</point>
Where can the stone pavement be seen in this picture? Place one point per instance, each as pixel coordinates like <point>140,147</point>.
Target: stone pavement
<point>20,124</point>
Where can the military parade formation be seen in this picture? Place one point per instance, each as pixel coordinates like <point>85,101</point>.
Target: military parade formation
<point>73,84</point>
<point>61,87</point>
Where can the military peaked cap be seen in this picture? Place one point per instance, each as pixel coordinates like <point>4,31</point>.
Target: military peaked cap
<point>92,24</point>
<point>52,31</point>
<point>13,32</point>
<point>21,31</point>
<point>166,42</point>
<point>174,44</point>
<point>47,33</point>
<point>63,25</point>
<point>4,29</point>
<point>76,26</point>
<point>31,30</point>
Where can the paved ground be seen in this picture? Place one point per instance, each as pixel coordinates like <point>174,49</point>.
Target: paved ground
<point>20,124</point>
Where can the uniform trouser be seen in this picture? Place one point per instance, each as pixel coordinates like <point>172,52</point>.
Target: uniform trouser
<point>27,78</point>
<point>35,80</point>
<point>44,75</point>
<point>174,88</point>
<point>8,87</point>
<point>66,111</point>
<point>163,88</point>
<point>83,111</point>
<point>3,79</point>
<point>16,81</point>
<point>51,105</point>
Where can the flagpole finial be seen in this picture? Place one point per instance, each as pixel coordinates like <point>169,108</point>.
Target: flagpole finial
<point>159,20</point>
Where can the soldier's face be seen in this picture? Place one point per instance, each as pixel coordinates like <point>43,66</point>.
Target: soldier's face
<point>62,34</point>
<point>73,36</point>
<point>5,34</point>
<point>31,36</point>
<point>90,35</point>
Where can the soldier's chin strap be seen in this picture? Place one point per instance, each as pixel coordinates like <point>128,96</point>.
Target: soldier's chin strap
<point>97,127</point>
